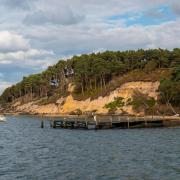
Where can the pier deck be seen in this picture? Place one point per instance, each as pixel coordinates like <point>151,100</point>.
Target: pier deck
<point>108,122</point>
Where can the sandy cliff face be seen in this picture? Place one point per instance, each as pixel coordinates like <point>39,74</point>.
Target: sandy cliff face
<point>33,108</point>
<point>69,104</point>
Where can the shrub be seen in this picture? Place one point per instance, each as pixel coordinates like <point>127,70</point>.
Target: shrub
<point>113,106</point>
<point>76,112</point>
<point>142,102</point>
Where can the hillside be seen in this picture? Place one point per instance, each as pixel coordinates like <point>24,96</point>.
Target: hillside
<point>129,82</point>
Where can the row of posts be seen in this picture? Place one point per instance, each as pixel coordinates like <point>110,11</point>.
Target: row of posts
<point>97,123</point>
<point>53,123</point>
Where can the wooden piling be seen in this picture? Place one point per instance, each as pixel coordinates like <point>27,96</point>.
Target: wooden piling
<point>64,124</point>
<point>110,121</point>
<point>128,122</point>
<point>86,123</point>
<point>119,119</point>
<point>42,124</point>
<point>145,122</point>
<point>53,124</point>
<point>105,123</point>
<point>42,120</point>
<point>96,122</point>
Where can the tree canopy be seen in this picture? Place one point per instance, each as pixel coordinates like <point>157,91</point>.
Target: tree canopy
<point>94,71</point>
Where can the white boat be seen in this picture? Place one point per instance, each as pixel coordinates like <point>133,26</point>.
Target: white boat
<point>2,118</point>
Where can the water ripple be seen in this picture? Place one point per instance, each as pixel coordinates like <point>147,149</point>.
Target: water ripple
<point>28,152</point>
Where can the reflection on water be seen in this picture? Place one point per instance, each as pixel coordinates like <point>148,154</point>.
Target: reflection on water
<point>29,152</point>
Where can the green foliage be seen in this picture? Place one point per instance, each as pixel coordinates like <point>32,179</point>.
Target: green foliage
<point>94,74</point>
<point>113,106</point>
<point>142,102</point>
<point>170,88</point>
<point>150,66</point>
<point>176,74</point>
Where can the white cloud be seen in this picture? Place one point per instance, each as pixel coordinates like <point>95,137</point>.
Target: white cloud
<point>16,3</point>
<point>68,40</point>
<point>12,42</point>
<point>16,50</point>
<point>64,17</point>
<point>31,57</point>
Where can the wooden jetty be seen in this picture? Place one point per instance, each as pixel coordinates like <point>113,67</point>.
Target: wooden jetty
<point>111,122</point>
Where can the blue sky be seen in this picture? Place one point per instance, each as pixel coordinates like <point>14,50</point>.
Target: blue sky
<point>36,33</point>
<point>153,16</point>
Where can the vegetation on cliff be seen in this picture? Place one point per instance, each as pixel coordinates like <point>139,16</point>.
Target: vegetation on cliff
<point>97,74</point>
<point>170,88</point>
<point>115,105</point>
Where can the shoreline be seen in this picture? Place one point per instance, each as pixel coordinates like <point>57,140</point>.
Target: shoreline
<point>103,121</point>
<point>90,115</point>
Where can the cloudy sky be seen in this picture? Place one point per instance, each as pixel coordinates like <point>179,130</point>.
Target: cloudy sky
<point>36,33</point>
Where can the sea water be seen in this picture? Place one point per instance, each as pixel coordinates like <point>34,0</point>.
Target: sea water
<point>29,152</point>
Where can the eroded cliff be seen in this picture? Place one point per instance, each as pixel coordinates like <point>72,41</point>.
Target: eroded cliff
<point>68,104</point>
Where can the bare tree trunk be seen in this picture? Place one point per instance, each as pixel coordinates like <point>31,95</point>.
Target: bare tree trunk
<point>101,83</point>
<point>20,93</point>
<point>95,83</point>
<point>82,89</point>
<point>169,104</point>
<point>104,82</point>
<point>31,93</point>
<point>90,84</point>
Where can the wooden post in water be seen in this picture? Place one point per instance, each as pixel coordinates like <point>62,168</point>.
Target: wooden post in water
<point>75,124</point>
<point>145,122</point>
<point>119,119</point>
<point>110,121</point>
<point>53,123</point>
<point>42,121</point>
<point>65,124</point>
<point>95,119</point>
<point>50,121</point>
<point>42,124</point>
<point>86,123</point>
<point>128,122</point>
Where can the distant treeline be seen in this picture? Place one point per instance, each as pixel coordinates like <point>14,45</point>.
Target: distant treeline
<point>95,71</point>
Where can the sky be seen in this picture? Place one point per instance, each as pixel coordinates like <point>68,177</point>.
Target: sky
<point>35,34</point>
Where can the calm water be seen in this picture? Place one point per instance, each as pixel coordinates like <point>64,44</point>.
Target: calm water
<point>28,152</point>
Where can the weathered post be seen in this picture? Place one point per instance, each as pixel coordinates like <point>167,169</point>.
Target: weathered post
<point>110,121</point>
<point>96,123</point>
<point>128,122</point>
<point>42,124</point>
<point>86,123</point>
<point>65,124</point>
<point>53,123</point>
<point>119,119</point>
<point>145,122</point>
<point>42,121</point>
<point>50,122</point>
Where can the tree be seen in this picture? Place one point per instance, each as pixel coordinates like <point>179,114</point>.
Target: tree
<point>113,106</point>
<point>150,66</point>
<point>170,89</point>
<point>142,102</point>
<point>170,92</point>
<point>93,72</point>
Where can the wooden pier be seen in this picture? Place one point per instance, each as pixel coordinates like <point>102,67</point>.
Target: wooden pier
<point>110,122</point>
